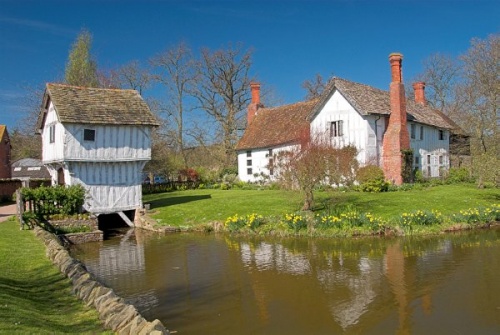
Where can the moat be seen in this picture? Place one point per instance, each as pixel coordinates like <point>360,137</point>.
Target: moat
<point>225,284</point>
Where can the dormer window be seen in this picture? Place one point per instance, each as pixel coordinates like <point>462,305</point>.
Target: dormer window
<point>441,135</point>
<point>89,135</point>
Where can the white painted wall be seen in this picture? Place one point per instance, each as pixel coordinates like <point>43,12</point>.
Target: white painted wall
<point>258,161</point>
<point>430,149</point>
<point>111,187</point>
<point>112,142</point>
<point>52,151</point>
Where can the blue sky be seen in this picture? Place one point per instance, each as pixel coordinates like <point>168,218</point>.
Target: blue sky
<point>292,40</point>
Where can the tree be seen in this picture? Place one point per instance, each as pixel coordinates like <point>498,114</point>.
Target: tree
<point>312,162</point>
<point>481,89</point>
<point>25,144</point>
<point>175,69</point>
<point>81,69</point>
<point>467,90</point>
<point>131,76</point>
<point>315,87</point>
<point>222,92</point>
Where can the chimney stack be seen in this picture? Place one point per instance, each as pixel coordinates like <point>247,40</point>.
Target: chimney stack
<point>255,103</point>
<point>396,137</point>
<point>255,89</point>
<point>419,89</point>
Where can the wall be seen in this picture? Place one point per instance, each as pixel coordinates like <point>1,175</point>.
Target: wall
<point>430,148</point>
<point>259,163</point>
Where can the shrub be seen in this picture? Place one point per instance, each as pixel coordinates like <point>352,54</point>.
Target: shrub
<point>459,175</point>
<point>54,200</point>
<point>371,179</point>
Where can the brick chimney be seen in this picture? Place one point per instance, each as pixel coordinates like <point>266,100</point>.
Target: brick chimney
<point>419,89</point>
<point>396,137</point>
<point>255,103</point>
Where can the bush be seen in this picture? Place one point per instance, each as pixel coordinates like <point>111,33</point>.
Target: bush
<point>54,200</point>
<point>371,179</point>
<point>459,175</point>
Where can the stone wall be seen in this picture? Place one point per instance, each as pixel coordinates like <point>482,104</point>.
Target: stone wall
<point>79,238</point>
<point>114,312</point>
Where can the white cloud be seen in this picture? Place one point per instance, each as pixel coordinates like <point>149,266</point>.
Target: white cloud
<point>38,25</point>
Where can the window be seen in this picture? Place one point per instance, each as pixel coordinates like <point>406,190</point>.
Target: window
<point>441,160</point>
<point>249,162</point>
<point>428,159</point>
<point>52,133</point>
<point>336,128</point>
<point>249,171</point>
<point>417,160</point>
<point>249,154</point>
<point>441,135</point>
<point>421,132</point>
<point>89,135</point>
<point>413,130</point>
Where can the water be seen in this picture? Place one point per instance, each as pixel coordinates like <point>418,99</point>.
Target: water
<point>222,284</point>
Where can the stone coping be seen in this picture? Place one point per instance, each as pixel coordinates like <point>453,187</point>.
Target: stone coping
<point>113,311</point>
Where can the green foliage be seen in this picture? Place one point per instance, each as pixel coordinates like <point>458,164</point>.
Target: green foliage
<point>371,179</point>
<point>419,217</point>
<point>407,172</point>
<point>295,222</point>
<point>57,200</point>
<point>459,175</point>
<point>81,69</point>
<point>350,219</point>
<point>478,215</point>
<point>251,221</point>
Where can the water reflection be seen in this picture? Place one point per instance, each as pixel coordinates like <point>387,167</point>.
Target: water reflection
<point>232,285</point>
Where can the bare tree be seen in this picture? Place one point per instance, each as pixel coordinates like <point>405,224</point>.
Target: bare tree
<point>222,92</point>
<point>315,87</point>
<point>467,90</point>
<point>312,162</point>
<point>482,89</point>
<point>175,70</point>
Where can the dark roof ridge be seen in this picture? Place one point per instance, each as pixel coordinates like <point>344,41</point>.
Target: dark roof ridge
<point>91,88</point>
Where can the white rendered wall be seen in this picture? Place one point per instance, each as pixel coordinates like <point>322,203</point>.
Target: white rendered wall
<point>259,163</point>
<point>430,149</point>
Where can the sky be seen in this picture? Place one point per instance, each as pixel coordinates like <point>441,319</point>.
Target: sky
<point>292,40</point>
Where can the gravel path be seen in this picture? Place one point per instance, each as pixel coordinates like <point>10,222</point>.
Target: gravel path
<point>6,211</point>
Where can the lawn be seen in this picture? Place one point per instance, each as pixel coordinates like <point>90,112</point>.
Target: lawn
<point>35,298</point>
<point>187,208</point>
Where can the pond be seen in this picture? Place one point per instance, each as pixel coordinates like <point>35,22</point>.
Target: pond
<point>225,284</point>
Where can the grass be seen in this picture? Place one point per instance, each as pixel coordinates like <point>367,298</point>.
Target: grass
<point>189,208</point>
<point>35,298</point>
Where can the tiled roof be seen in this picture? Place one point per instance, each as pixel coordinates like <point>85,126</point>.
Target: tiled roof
<point>370,100</point>
<point>75,104</point>
<point>277,126</point>
<point>29,168</point>
<point>281,125</point>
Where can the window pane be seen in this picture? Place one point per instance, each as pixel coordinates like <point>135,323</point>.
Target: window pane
<point>89,135</point>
